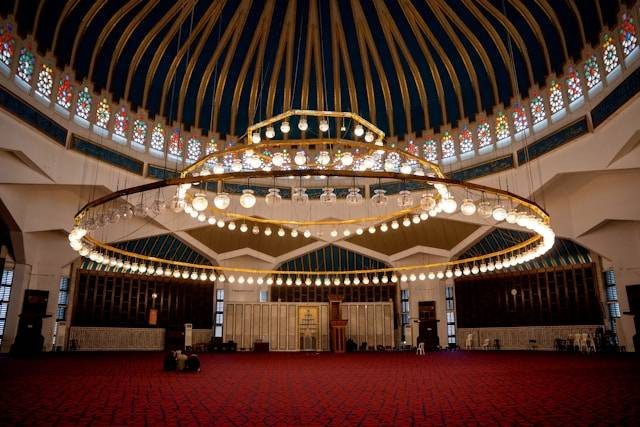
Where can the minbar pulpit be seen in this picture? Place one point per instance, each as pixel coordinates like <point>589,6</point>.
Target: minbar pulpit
<point>338,326</point>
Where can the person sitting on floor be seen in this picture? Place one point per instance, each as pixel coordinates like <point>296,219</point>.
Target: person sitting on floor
<point>193,363</point>
<point>181,360</point>
<point>170,362</point>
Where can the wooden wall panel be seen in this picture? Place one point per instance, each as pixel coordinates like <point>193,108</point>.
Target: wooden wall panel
<point>371,323</point>
<point>560,296</point>
<point>518,338</point>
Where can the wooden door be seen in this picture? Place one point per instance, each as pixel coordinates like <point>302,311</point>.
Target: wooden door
<point>428,330</point>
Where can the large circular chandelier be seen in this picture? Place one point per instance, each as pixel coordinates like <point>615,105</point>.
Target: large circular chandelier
<point>333,177</point>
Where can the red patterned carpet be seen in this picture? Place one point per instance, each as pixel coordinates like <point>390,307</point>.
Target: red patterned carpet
<point>307,389</point>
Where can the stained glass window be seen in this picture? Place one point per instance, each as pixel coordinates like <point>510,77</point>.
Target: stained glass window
<point>121,123</point>
<point>627,35</point>
<point>7,43</point>
<point>194,149</point>
<point>574,88</point>
<point>157,137</point>
<point>83,104</point>
<point>609,53</point>
<point>556,103</point>
<point>592,72</point>
<point>26,62</point>
<point>466,141</point>
<point>448,146</point>
<point>502,126</point>
<point>212,147</point>
<point>537,109</point>
<point>412,148</point>
<point>139,134</point>
<point>484,134</point>
<point>103,114</point>
<point>519,118</point>
<point>45,81</point>
<point>65,92</point>
<point>431,150</point>
<point>175,143</point>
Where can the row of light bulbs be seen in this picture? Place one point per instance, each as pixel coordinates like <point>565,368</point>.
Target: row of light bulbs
<point>202,275</point>
<point>303,125</point>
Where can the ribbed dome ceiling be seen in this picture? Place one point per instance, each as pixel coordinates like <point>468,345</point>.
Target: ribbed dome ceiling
<point>405,65</point>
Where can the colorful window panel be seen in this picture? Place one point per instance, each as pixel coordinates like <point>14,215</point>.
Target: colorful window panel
<point>194,149</point>
<point>65,92</point>
<point>466,141</point>
<point>212,147</point>
<point>592,72</point>
<point>537,109</point>
<point>157,137</point>
<point>484,134</point>
<point>609,53</point>
<point>627,35</point>
<point>448,146</point>
<point>139,132</point>
<point>574,87</point>
<point>502,126</point>
<point>176,143</point>
<point>44,84</point>
<point>26,63</point>
<point>83,103</point>
<point>556,103</point>
<point>7,44</point>
<point>121,123</point>
<point>519,118</point>
<point>412,148</point>
<point>103,114</point>
<point>431,150</point>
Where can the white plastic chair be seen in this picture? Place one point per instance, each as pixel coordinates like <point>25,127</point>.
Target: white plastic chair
<point>485,344</point>
<point>469,341</point>
<point>420,349</point>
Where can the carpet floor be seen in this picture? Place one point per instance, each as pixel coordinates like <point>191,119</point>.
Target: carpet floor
<point>459,388</point>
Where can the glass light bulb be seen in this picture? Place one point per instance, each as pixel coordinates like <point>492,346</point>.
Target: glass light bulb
<point>372,229</point>
<point>273,198</point>
<point>285,127</point>
<point>406,221</point>
<point>200,202</point>
<point>384,227</point>
<point>368,162</point>
<point>306,234</point>
<point>294,233</point>
<point>303,125</point>
<point>300,158</point>
<point>379,199</point>
<point>218,169</point>
<point>220,223</point>
<point>405,168</point>
<point>270,132</point>
<point>467,207</point>
<point>358,131</point>
<point>324,158</point>
<point>354,197</point>
<point>346,159</point>
<point>236,165</point>
<point>232,226</point>
<point>267,231</point>
<point>428,201</point>
<point>405,200</point>
<point>248,199</point>
<point>222,201</point>
<point>277,160</point>
<point>243,227</point>
<point>395,225</point>
<point>499,213</point>
<point>485,209</point>
<point>300,196</point>
<point>449,205</point>
<point>368,136</point>
<point>328,197</point>
<point>255,137</point>
<point>281,232</point>
<point>324,125</point>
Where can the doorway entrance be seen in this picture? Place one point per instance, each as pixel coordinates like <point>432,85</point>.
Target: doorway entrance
<point>428,330</point>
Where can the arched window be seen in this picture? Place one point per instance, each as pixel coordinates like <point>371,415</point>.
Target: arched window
<point>44,84</point>
<point>139,134</point>
<point>537,109</point>
<point>65,92</point>
<point>176,143</point>
<point>574,87</point>
<point>448,146</point>
<point>103,114</point>
<point>609,53</point>
<point>592,71</point>
<point>430,150</point>
<point>157,138</point>
<point>194,149</point>
<point>502,126</point>
<point>83,104</point>
<point>556,103</point>
<point>26,63</point>
<point>520,121</point>
<point>484,134</point>
<point>7,44</point>
<point>466,141</point>
<point>627,35</point>
<point>121,123</point>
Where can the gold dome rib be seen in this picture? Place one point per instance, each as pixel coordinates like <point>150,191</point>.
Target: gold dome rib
<point>417,25</point>
<point>126,34</point>
<point>362,23</point>
<point>231,28</point>
<point>553,17</point>
<point>162,47</point>
<point>340,51</point>
<point>106,30</point>
<point>68,7</point>
<point>84,24</point>
<point>146,41</point>
<point>259,38</point>
<point>201,25</point>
